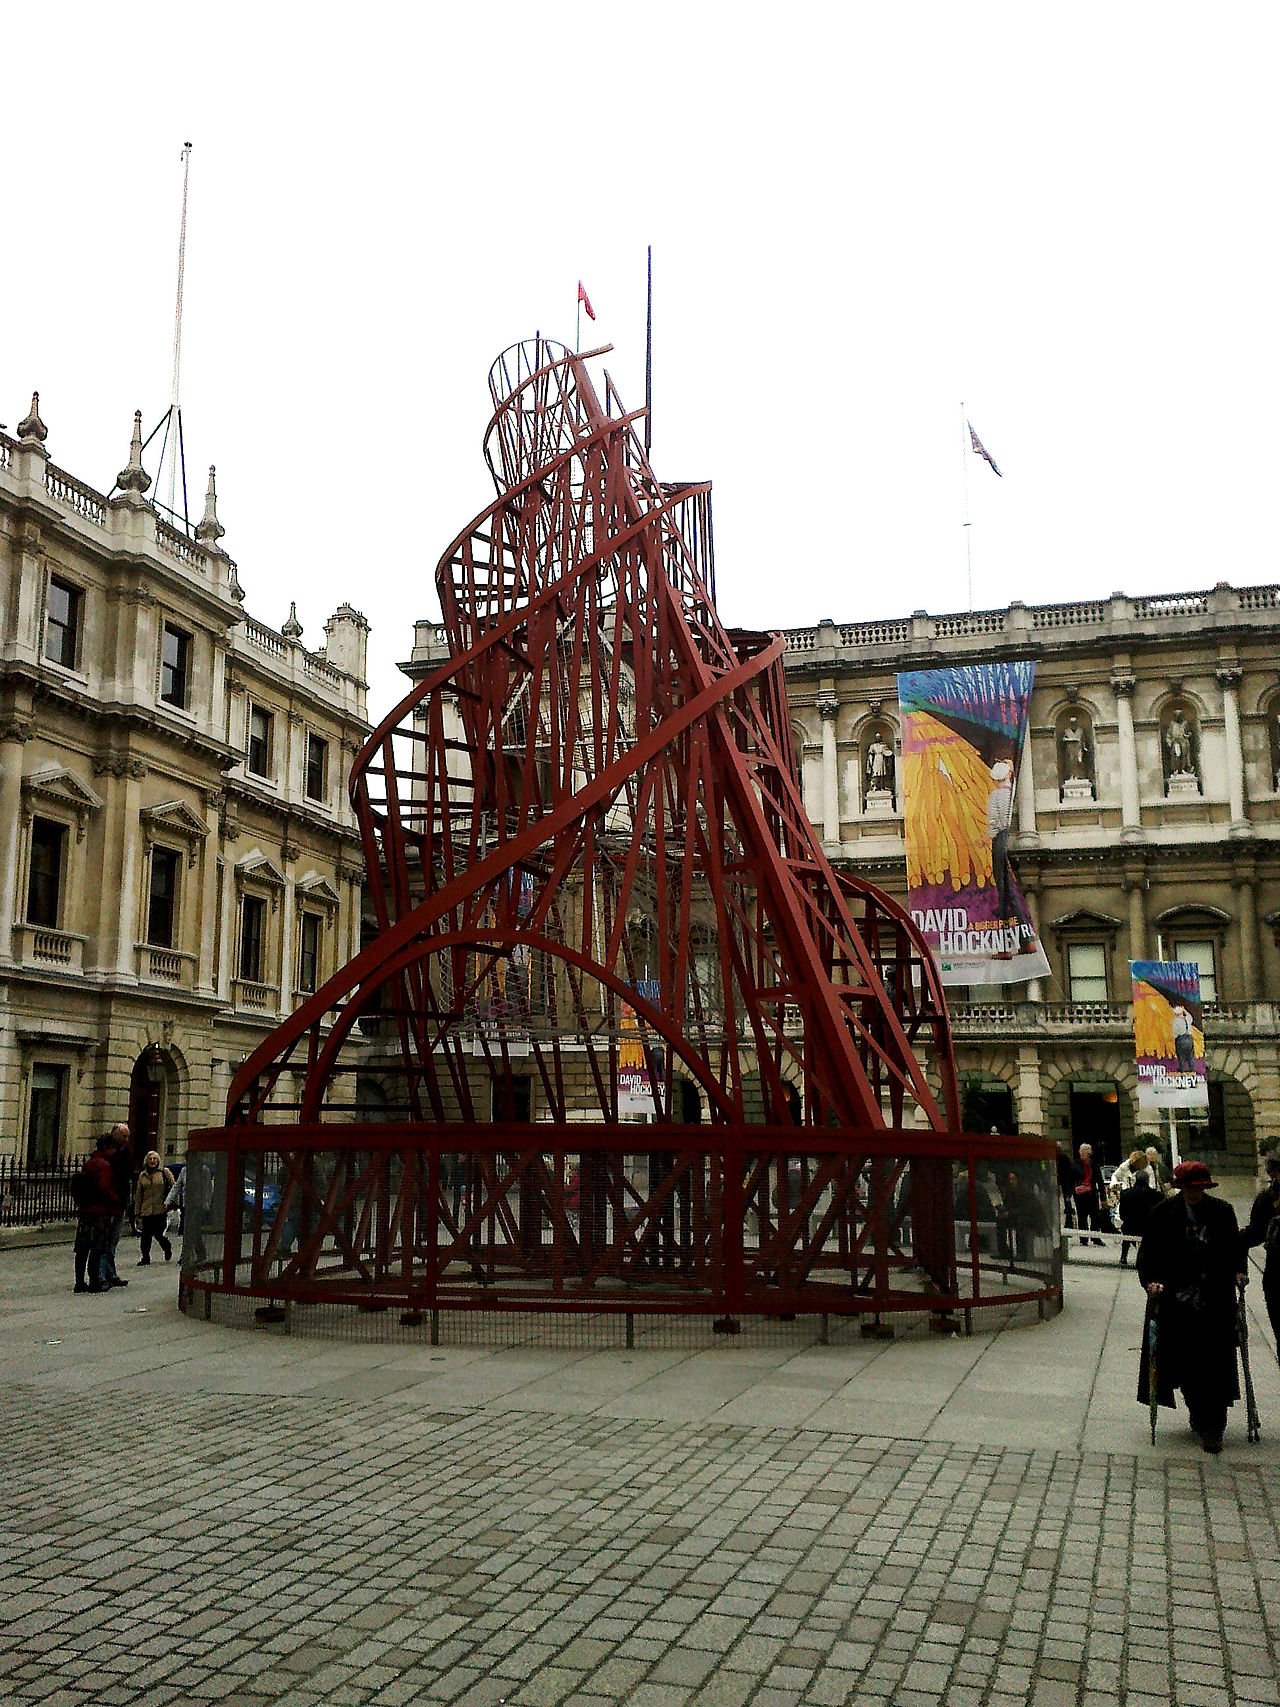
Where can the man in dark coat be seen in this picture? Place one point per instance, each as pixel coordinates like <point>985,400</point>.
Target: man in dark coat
<point>97,1204</point>
<point>1086,1194</point>
<point>1189,1261</point>
<point>1263,1228</point>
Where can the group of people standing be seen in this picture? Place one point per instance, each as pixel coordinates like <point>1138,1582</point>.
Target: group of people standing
<point>1134,1189</point>
<point>106,1192</point>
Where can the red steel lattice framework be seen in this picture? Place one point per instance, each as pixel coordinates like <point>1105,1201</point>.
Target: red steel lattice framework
<point>598,895</point>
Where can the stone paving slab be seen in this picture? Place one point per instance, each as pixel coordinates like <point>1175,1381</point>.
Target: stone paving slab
<point>195,1514</point>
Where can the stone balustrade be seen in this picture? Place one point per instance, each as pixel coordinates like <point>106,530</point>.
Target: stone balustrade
<point>1108,616</point>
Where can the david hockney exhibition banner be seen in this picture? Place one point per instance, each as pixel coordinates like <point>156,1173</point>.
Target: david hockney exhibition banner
<point>962,732</point>
<point>1168,1031</point>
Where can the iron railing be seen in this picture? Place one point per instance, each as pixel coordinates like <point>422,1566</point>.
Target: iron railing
<point>31,1195</point>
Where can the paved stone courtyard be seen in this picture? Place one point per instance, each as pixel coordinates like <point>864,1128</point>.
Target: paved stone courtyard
<point>195,1514</point>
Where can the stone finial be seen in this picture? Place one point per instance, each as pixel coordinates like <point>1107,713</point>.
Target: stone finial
<point>209,530</point>
<point>292,628</point>
<point>31,429</point>
<point>233,582</point>
<point>133,477</point>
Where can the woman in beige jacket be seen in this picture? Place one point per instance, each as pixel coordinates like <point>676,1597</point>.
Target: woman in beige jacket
<point>149,1193</point>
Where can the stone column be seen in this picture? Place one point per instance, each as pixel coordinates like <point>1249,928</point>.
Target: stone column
<point>1250,947</point>
<point>1130,810</point>
<point>1228,679</point>
<point>132,863</point>
<point>14,735</point>
<point>1031,1112</point>
<point>227,972</point>
<point>828,707</point>
<point>288,853</point>
<point>1026,792</point>
<point>1031,889</point>
<point>208,899</point>
<point>1135,888</point>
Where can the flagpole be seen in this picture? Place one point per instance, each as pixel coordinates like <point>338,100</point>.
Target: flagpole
<point>964,480</point>
<point>648,354</point>
<point>577,324</point>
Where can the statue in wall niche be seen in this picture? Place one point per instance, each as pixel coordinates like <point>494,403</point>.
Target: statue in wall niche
<point>1077,756</point>
<point>1179,758</point>
<point>879,767</point>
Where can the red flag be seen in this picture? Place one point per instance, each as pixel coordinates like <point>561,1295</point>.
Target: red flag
<point>979,449</point>
<point>585,300</point>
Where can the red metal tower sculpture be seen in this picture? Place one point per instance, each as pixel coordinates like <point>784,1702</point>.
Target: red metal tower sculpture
<point>623,1038</point>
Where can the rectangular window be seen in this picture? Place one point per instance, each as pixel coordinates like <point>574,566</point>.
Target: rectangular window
<point>317,779</point>
<point>44,882</point>
<point>62,623</point>
<point>175,666</point>
<point>163,897</point>
<point>308,951</point>
<point>44,1122</point>
<point>253,913</point>
<point>1199,951</point>
<point>1087,971</point>
<point>259,756</point>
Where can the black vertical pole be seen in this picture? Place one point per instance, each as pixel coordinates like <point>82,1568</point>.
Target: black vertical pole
<point>648,356</point>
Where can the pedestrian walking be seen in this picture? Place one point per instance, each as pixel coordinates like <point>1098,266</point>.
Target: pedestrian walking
<point>1189,1262</point>
<point>97,1205</point>
<point>150,1195</point>
<point>1065,1169</point>
<point>1155,1167</point>
<point>1263,1228</point>
<point>1137,1200</point>
<point>1086,1192</point>
<point>122,1173</point>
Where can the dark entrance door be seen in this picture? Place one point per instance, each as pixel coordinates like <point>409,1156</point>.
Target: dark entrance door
<point>146,1093</point>
<point>1095,1119</point>
<point>986,1106</point>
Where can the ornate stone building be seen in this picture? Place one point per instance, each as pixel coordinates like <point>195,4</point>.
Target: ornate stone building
<point>1148,824</point>
<point>178,860</point>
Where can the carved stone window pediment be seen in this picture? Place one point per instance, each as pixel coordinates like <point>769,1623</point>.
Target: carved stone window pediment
<point>174,818</point>
<point>55,785</point>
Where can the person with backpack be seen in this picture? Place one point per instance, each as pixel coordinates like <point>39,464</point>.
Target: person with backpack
<point>121,1163</point>
<point>97,1206</point>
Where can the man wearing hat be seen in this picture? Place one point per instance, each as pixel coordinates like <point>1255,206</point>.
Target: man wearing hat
<point>1189,1261</point>
<point>1263,1228</point>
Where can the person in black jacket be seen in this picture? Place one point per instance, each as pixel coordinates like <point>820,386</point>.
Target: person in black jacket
<point>1263,1228</point>
<point>1189,1262</point>
<point>1086,1193</point>
<point>1136,1203</point>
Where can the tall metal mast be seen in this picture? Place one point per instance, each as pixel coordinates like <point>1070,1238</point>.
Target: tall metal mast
<point>174,403</point>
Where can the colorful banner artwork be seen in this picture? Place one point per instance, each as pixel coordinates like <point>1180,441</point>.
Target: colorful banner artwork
<point>635,1086</point>
<point>962,730</point>
<point>1168,1032</point>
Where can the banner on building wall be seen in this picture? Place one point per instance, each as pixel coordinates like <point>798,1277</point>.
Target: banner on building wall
<point>1168,1033</point>
<point>962,730</point>
<point>636,1090</point>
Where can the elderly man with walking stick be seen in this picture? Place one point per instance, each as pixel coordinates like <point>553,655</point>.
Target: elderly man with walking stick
<point>1189,1262</point>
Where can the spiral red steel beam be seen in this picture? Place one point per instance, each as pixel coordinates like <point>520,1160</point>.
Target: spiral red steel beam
<point>596,889</point>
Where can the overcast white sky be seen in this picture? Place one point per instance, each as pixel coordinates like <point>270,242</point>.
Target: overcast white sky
<point>860,215</point>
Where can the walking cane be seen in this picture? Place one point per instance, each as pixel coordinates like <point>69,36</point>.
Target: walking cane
<point>1251,1403</point>
<point>1153,1382</point>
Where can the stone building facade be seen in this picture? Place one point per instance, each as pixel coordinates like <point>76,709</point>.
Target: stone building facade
<point>178,859</point>
<point>1148,825</point>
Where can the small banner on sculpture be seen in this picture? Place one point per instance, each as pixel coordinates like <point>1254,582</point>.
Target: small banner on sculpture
<point>1168,1032</point>
<point>962,730</point>
<point>636,1091</point>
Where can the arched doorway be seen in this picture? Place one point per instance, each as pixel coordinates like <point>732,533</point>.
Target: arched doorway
<point>149,1102</point>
